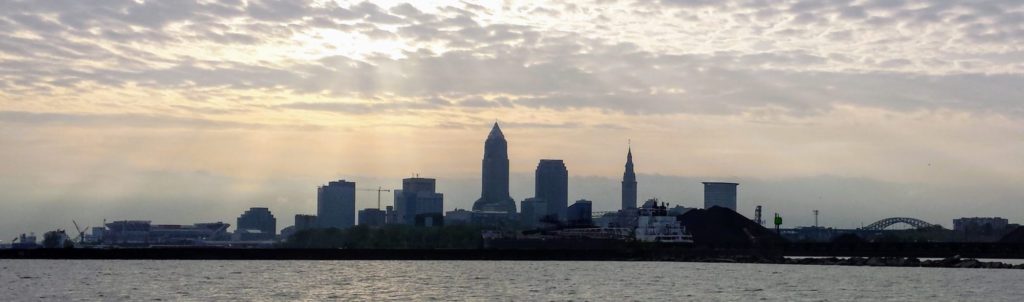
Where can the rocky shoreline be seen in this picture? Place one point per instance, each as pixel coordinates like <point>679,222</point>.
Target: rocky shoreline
<point>950,262</point>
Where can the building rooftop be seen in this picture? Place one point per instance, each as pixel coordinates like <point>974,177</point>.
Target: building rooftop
<point>719,183</point>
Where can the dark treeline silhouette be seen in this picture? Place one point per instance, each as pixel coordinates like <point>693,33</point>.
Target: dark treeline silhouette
<point>388,237</point>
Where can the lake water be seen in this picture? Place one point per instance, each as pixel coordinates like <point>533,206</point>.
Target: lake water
<point>172,280</point>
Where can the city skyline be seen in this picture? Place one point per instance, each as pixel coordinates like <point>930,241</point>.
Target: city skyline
<point>197,111</point>
<point>511,150</point>
<point>495,147</point>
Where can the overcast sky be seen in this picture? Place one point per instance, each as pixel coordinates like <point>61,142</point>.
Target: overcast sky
<point>190,111</point>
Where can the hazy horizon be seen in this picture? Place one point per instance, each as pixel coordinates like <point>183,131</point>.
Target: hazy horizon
<point>193,111</point>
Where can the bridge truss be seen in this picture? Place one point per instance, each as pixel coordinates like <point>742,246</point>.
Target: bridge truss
<point>888,222</point>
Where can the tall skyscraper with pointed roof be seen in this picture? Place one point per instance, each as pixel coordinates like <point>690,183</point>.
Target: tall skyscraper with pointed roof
<point>629,183</point>
<point>494,195</point>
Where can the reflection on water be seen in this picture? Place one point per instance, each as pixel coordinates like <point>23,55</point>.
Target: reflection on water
<point>491,280</point>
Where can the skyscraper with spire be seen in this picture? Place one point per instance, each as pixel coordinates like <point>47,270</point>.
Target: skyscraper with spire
<point>629,183</point>
<point>494,195</point>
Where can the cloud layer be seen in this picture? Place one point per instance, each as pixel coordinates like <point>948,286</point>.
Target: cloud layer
<point>639,58</point>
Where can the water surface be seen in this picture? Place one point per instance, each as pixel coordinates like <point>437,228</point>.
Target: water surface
<point>176,280</point>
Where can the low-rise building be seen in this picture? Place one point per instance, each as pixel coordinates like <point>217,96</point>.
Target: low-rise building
<point>305,222</point>
<point>580,214</point>
<point>257,219</point>
<point>966,224</point>
<point>533,212</point>
<point>458,217</point>
<point>372,217</point>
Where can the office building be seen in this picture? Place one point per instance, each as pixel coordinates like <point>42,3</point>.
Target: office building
<point>494,196</point>
<point>390,215</point>
<point>721,194</point>
<point>372,217</point>
<point>552,185</point>
<point>336,205</point>
<point>580,214</point>
<point>629,183</point>
<point>533,212</point>
<point>305,222</point>
<point>258,223</point>
<point>417,197</point>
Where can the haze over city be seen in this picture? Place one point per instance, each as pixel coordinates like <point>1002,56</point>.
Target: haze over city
<point>189,111</point>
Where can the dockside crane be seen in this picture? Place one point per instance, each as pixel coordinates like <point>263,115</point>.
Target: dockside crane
<point>379,190</point>
<point>81,233</point>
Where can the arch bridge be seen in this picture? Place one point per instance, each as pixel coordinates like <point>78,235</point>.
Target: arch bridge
<point>888,222</point>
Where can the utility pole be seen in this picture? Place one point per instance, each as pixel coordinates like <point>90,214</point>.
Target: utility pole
<point>815,218</point>
<point>757,216</point>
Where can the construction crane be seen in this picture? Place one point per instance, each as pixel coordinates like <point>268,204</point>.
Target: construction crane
<point>379,190</point>
<point>81,233</point>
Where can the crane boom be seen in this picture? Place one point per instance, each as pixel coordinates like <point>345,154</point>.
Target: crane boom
<point>379,190</point>
<point>81,233</point>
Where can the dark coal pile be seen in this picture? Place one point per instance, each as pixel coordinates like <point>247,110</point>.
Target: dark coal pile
<point>1015,236</point>
<point>721,226</point>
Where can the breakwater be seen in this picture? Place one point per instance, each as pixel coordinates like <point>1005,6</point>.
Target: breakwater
<point>836,255</point>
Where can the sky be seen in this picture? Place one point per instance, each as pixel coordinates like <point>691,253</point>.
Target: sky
<point>192,111</point>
